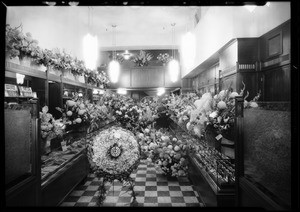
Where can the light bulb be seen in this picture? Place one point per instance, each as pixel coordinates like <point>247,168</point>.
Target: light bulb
<point>173,70</point>
<point>90,51</point>
<point>114,70</point>
<point>188,49</point>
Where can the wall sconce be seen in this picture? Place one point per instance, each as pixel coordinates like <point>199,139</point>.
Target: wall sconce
<point>20,78</point>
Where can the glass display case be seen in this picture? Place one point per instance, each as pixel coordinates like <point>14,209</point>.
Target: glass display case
<point>266,153</point>
<point>22,174</point>
<point>209,169</point>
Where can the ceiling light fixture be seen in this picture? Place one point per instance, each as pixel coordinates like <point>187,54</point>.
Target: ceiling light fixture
<point>126,55</point>
<point>250,7</point>
<point>173,64</point>
<point>50,3</point>
<point>114,66</point>
<point>90,46</point>
<point>73,3</point>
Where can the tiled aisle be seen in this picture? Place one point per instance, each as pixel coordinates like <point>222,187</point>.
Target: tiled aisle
<point>153,189</point>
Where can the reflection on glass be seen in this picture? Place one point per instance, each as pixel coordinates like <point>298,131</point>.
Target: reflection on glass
<point>267,152</point>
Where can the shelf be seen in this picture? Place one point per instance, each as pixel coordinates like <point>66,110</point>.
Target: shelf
<point>16,68</point>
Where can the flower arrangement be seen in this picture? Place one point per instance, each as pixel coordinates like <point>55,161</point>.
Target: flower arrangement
<point>18,44</point>
<point>222,114</point>
<point>142,59</point>
<point>170,154</point>
<point>98,114</point>
<point>113,154</point>
<point>164,58</point>
<point>146,140</point>
<point>74,113</point>
<point>128,116</point>
<point>50,127</point>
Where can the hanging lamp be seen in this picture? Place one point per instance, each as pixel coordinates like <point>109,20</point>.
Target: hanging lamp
<point>90,46</point>
<point>173,64</point>
<point>188,46</point>
<point>114,66</point>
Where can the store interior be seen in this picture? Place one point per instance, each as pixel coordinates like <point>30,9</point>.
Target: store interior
<point>119,104</point>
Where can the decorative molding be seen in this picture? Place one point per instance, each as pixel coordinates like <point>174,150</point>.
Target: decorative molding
<point>276,61</point>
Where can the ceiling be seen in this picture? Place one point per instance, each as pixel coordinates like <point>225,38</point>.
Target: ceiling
<point>146,27</point>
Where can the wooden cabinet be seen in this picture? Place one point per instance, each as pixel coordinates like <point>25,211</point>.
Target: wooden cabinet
<point>22,155</point>
<point>275,69</point>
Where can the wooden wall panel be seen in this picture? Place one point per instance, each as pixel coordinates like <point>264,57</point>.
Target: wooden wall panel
<point>139,78</point>
<point>268,40</point>
<point>155,78</point>
<point>277,84</point>
<point>124,79</point>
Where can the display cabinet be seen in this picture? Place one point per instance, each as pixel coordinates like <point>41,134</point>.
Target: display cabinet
<point>64,167</point>
<point>263,168</point>
<point>211,171</point>
<point>22,162</point>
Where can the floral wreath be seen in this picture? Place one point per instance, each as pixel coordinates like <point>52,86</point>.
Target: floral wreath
<point>113,154</point>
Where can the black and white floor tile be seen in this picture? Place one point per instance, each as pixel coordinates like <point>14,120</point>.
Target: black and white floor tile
<point>153,188</point>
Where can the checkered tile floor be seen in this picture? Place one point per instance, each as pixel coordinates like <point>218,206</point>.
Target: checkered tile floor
<point>152,188</point>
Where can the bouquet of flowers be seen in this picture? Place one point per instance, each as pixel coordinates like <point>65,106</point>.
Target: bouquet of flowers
<point>74,113</point>
<point>164,58</point>
<point>18,44</point>
<point>98,114</point>
<point>128,115</point>
<point>142,59</point>
<point>147,142</point>
<point>170,154</point>
<point>223,111</point>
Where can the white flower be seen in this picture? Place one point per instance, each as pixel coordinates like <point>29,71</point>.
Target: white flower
<point>213,114</point>
<point>253,104</point>
<point>221,105</point>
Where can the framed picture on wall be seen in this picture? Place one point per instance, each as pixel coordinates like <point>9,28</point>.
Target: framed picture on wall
<point>274,45</point>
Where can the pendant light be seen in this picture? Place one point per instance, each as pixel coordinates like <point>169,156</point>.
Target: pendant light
<point>173,64</point>
<point>188,47</point>
<point>114,66</point>
<point>90,46</point>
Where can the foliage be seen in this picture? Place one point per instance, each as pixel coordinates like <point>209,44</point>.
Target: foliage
<point>142,59</point>
<point>164,58</point>
<point>18,44</point>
